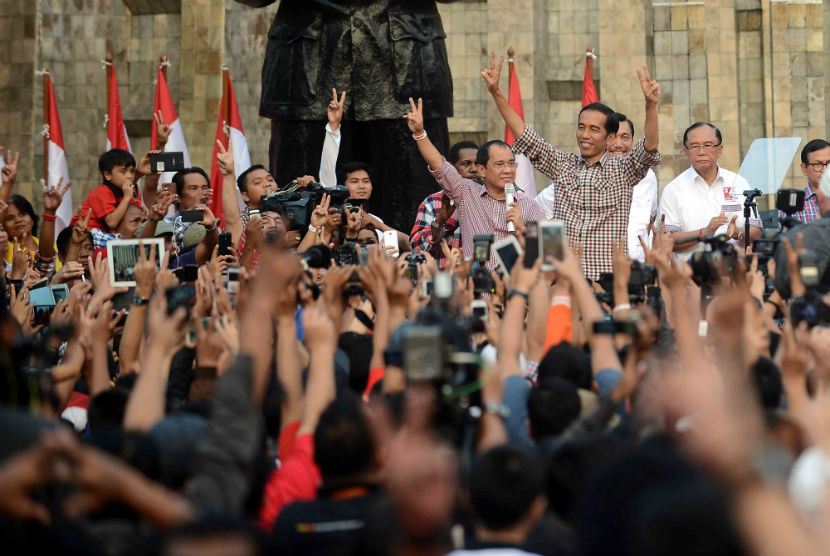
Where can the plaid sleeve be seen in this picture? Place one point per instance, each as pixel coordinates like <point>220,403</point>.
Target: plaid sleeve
<point>100,238</point>
<point>421,236</point>
<point>451,182</point>
<point>542,154</point>
<point>638,162</point>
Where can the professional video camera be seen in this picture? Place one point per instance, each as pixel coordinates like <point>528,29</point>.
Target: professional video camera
<point>708,266</point>
<point>789,201</point>
<point>642,275</point>
<point>297,205</point>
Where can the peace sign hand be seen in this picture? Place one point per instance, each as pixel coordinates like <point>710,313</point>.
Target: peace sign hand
<point>415,118</point>
<point>163,130</point>
<point>52,196</point>
<point>225,158</point>
<point>9,173</point>
<point>335,110</point>
<point>651,89</point>
<point>492,74</point>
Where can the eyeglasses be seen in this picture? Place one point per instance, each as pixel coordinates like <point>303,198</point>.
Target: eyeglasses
<point>707,147</point>
<point>818,166</point>
<point>500,165</point>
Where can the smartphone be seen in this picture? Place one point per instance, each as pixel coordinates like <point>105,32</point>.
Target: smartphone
<point>443,286</point>
<point>551,242</point>
<point>60,291</point>
<point>17,284</point>
<point>233,280</point>
<point>122,256</point>
<point>166,162</point>
<point>531,243</point>
<point>426,289</point>
<point>507,252</point>
<point>225,244</point>
<point>192,215</point>
<point>180,296</point>
<point>479,309</point>
<point>423,360</point>
<point>390,239</point>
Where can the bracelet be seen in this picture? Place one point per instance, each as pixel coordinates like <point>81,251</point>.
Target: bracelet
<point>621,307</point>
<point>312,229</point>
<point>520,293</point>
<point>48,217</point>
<point>420,137</point>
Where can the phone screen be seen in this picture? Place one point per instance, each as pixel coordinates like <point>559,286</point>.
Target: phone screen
<point>551,242</point>
<point>508,255</point>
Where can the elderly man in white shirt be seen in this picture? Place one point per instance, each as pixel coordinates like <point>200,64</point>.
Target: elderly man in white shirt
<point>643,198</point>
<point>706,199</point>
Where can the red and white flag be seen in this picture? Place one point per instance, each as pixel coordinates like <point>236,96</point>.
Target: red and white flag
<point>56,154</point>
<point>175,143</point>
<point>116,130</point>
<point>589,90</point>
<point>229,126</point>
<point>524,173</point>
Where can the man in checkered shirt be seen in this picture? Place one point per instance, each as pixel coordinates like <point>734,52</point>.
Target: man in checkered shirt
<point>592,189</point>
<point>815,157</point>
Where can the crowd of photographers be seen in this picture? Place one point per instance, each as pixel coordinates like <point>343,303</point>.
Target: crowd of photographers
<point>301,378</point>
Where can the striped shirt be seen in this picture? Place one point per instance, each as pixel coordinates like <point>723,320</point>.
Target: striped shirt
<point>479,212</point>
<point>593,200</point>
<point>810,211</point>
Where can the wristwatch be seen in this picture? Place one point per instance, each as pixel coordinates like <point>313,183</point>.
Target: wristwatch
<point>138,301</point>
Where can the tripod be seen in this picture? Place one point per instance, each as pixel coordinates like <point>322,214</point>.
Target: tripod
<point>750,207</point>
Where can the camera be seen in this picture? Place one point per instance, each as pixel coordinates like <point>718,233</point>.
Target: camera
<point>482,281</point>
<point>317,256</point>
<point>789,201</point>
<point>707,266</point>
<point>348,254</point>
<point>413,260</point>
<point>642,275</point>
<point>809,307</point>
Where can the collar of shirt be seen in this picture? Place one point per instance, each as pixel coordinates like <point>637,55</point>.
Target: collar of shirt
<point>601,161</point>
<point>809,193</point>
<point>695,176</point>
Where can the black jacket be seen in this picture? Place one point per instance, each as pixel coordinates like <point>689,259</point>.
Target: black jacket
<point>381,52</point>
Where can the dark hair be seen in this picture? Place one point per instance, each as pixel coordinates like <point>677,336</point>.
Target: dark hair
<point>106,409</point>
<point>551,406</point>
<point>344,171</point>
<point>113,158</point>
<point>701,124</point>
<point>811,147</point>
<point>504,483</point>
<point>358,348</point>
<point>24,206</point>
<point>483,154</point>
<point>212,527</point>
<point>343,445</point>
<point>566,361</point>
<point>63,239</point>
<point>611,123</point>
<point>242,180</point>
<point>623,118</point>
<point>178,177</point>
<point>452,155</point>
<point>766,378</point>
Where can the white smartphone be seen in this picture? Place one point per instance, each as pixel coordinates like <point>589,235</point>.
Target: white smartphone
<point>479,309</point>
<point>390,239</point>
<point>551,242</point>
<point>507,252</point>
<point>122,256</point>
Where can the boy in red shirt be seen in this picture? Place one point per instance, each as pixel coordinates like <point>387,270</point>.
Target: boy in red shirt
<point>109,202</point>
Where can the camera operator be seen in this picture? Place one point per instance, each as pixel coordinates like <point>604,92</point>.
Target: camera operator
<point>815,237</point>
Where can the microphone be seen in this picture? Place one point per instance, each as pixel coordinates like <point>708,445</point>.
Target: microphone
<point>509,193</point>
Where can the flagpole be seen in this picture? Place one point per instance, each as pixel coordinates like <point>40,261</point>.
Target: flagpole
<point>163,65</point>
<point>108,60</point>
<point>590,60</point>
<point>226,102</point>
<point>47,122</point>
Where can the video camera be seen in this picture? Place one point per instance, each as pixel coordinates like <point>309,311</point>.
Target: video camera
<point>642,275</point>
<point>296,205</point>
<point>708,266</point>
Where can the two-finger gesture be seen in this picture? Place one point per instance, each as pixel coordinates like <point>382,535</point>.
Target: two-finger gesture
<point>52,196</point>
<point>334,112</point>
<point>491,75</point>
<point>9,173</point>
<point>163,130</point>
<point>415,117</point>
<point>224,158</point>
<point>651,88</point>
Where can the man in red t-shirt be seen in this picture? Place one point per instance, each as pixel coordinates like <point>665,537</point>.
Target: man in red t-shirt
<point>109,201</point>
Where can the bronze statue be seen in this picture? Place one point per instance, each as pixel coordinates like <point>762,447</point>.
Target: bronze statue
<point>381,52</point>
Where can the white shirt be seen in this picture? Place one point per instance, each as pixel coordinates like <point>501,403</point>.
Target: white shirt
<point>643,207</point>
<point>689,204</point>
<point>328,159</point>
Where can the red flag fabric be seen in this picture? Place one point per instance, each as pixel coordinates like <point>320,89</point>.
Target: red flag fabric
<point>514,99</point>
<point>116,131</point>
<point>234,132</point>
<point>57,159</point>
<point>589,91</point>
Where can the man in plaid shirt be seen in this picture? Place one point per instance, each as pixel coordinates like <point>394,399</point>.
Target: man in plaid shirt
<point>593,190</point>
<point>815,157</point>
<point>435,220</point>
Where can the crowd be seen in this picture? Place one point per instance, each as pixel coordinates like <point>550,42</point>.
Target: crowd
<point>301,378</point>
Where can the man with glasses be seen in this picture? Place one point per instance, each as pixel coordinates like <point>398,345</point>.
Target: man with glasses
<point>815,157</point>
<point>481,208</point>
<point>705,200</point>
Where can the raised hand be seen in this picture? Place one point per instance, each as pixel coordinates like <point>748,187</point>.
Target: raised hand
<point>651,89</point>
<point>491,75</point>
<point>224,158</point>
<point>145,271</point>
<point>334,112</point>
<point>622,264</point>
<point>80,231</point>
<point>163,130</point>
<point>9,173</point>
<point>144,166</point>
<point>514,214</point>
<point>319,215</point>
<point>415,118</point>
<point>52,196</point>
<point>208,218</point>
